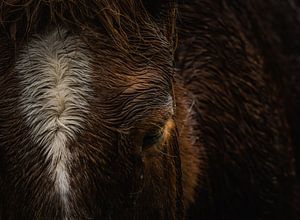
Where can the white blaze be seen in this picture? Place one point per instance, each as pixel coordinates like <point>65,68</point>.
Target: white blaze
<point>55,72</point>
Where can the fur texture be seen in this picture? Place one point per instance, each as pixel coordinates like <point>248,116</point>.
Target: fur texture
<point>228,57</point>
<point>54,74</point>
<point>96,122</point>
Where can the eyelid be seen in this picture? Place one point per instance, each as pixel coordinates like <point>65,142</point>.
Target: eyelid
<point>151,138</point>
<point>157,133</point>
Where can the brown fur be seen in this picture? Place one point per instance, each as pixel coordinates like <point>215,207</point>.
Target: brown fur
<point>227,57</point>
<point>229,128</point>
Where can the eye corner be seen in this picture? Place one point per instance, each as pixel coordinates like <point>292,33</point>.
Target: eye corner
<point>157,135</point>
<point>152,138</point>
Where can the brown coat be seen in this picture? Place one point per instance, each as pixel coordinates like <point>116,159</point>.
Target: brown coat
<point>203,132</point>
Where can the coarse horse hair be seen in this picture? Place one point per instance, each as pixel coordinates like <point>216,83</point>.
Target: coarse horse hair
<point>149,109</point>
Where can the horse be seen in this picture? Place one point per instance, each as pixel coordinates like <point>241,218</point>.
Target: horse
<point>139,109</point>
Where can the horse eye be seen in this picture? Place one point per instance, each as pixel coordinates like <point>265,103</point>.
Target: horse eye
<point>151,139</point>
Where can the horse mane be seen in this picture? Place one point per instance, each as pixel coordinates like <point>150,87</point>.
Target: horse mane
<point>120,19</point>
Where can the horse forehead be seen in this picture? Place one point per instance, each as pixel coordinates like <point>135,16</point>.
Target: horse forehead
<point>55,75</point>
